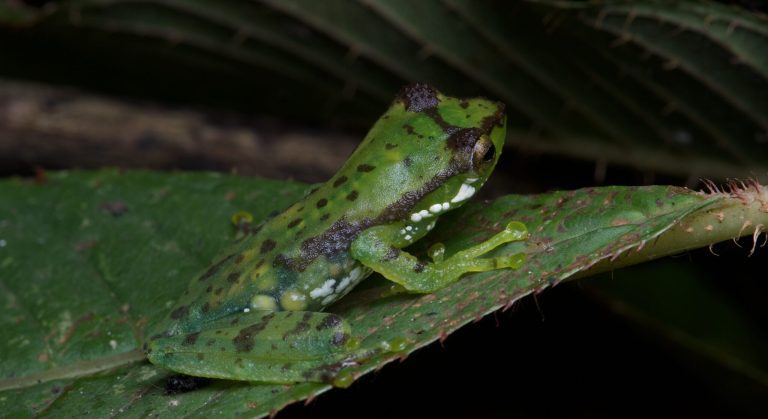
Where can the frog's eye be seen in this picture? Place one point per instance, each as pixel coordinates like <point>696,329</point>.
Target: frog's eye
<point>483,153</point>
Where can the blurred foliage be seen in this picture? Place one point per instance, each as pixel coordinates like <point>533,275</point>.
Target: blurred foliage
<point>677,86</point>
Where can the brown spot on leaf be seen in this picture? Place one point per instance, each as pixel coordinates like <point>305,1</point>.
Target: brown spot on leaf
<point>115,208</point>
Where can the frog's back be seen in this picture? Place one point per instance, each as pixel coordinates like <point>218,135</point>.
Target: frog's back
<point>300,259</point>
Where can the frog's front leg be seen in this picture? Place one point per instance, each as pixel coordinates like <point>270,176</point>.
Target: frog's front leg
<point>267,346</point>
<point>372,248</point>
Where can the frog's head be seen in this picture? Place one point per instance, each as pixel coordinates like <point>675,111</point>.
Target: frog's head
<point>448,147</point>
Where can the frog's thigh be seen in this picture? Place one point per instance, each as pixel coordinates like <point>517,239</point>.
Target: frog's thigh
<point>372,250</point>
<point>275,347</point>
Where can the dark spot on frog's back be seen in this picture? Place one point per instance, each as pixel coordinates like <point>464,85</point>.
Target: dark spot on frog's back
<point>340,181</point>
<point>233,277</point>
<point>329,322</point>
<point>267,246</point>
<point>324,217</point>
<point>365,168</point>
<point>418,96</point>
<point>244,340</point>
<point>390,146</point>
<point>190,339</point>
<point>352,196</point>
<point>215,268</point>
<point>321,203</point>
<point>464,139</point>
<point>409,129</point>
<point>294,223</point>
<point>301,327</point>
<point>180,312</point>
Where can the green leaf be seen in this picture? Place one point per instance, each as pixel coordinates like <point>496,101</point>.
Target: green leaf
<point>90,260</point>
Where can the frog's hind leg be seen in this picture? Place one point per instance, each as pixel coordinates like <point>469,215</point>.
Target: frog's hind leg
<point>267,346</point>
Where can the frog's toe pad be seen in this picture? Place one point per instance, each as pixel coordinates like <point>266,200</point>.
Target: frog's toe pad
<point>514,261</point>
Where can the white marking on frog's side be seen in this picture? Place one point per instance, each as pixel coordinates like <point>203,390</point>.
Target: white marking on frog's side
<point>431,226</point>
<point>446,206</point>
<point>328,299</point>
<point>344,283</point>
<point>470,180</point>
<point>409,228</point>
<point>3,243</point>
<point>436,208</point>
<point>418,216</point>
<point>246,310</point>
<point>408,237</point>
<point>354,274</point>
<point>323,290</point>
<point>464,193</point>
<point>402,231</point>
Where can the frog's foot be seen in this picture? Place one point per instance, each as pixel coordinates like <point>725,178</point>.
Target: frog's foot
<point>416,276</point>
<point>275,347</point>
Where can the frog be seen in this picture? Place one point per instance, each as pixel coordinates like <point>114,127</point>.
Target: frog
<point>258,312</point>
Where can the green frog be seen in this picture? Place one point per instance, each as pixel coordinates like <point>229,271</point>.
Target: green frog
<point>256,313</point>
